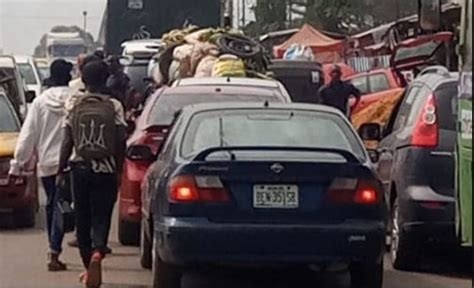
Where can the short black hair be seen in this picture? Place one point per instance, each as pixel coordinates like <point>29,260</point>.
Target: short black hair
<point>95,74</point>
<point>89,59</point>
<point>60,71</point>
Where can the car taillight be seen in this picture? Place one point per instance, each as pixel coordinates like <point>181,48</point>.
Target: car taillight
<point>426,132</point>
<point>191,189</point>
<point>353,191</point>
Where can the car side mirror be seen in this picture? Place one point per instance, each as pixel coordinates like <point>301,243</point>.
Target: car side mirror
<point>370,132</point>
<point>30,96</point>
<point>140,153</point>
<point>374,155</point>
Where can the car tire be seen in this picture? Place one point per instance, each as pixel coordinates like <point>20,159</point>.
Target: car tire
<point>367,275</point>
<point>129,233</point>
<point>146,259</point>
<point>404,252</point>
<point>164,275</point>
<point>25,217</point>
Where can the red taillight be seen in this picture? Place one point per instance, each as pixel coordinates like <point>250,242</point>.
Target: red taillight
<point>426,132</point>
<point>353,191</point>
<point>189,189</point>
<point>433,205</point>
<point>183,189</point>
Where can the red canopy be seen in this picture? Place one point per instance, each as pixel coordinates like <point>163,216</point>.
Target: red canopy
<point>321,44</point>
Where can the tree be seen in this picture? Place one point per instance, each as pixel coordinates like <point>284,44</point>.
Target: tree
<point>270,15</point>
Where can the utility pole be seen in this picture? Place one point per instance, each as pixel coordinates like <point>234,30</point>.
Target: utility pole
<point>244,13</point>
<point>231,11</point>
<point>238,14</point>
<point>84,14</point>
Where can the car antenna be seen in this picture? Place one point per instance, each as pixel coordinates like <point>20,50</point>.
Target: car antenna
<point>266,104</point>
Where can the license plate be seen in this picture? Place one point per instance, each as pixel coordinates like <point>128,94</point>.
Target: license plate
<point>275,196</point>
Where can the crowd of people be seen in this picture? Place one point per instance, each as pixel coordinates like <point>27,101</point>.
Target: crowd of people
<point>76,131</point>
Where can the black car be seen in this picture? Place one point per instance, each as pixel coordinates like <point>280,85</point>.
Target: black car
<point>417,166</point>
<point>265,184</point>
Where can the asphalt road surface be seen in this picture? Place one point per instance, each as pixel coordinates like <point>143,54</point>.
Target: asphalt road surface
<point>23,265</point>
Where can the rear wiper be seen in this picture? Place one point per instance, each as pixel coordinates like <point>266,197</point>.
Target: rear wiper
<point>223,143</point>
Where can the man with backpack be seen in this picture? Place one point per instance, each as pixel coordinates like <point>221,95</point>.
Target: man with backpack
<point>40,141</point>
<point>94,149</point>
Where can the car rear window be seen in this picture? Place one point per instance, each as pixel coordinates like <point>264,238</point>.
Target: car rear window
<point>164,109</point>
<point>8,120</point>
<point>446,102</point>
<point>256,128</point>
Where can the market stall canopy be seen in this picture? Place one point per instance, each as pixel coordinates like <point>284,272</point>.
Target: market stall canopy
<point>326,49</point>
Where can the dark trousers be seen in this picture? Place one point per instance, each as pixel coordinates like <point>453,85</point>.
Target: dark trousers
<point>94,199</point>
<point>55,233</point>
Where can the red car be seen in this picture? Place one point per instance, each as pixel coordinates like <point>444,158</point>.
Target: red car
<point>408,55</point>
<point>152,128</point>
<point>18,199</point>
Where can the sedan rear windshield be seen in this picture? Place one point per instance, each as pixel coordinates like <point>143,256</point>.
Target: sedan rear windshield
<point>163,112</point>
<point>257,128</point>
<point>8,120</point>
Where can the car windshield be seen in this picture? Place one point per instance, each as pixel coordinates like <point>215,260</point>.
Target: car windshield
<point>67,50</point>
<point>277,128</point>
<point>8,120</point>
<point>44,72</point>
<point>167,105</point>
<point>28,73</point>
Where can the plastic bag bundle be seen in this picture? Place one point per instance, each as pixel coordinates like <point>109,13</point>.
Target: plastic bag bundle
<point>299,52</point>
<point>229,66</point>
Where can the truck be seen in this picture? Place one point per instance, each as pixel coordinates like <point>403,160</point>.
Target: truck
<point>65,45</point>
<point>126,20</point>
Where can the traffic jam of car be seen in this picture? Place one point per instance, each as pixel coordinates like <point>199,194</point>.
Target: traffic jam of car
<point>233,160</point>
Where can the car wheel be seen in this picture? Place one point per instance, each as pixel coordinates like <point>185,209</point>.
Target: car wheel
<point>129,233</point>
<point>403,249</point>
<point>164,275</point>
<point>367,275</point>
<point>25,217</point>
<point>145,246</point>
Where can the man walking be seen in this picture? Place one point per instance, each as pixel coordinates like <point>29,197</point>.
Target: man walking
<point>40,141</point>
<point>94,148</point>
<point>337,93</point>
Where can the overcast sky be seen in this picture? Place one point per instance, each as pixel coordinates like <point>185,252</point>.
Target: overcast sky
<point>23,22</point>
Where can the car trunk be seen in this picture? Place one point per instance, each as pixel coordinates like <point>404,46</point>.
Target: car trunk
<point>277,192</point>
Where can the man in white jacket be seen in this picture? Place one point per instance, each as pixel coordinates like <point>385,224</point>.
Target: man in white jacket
<point>40,141</point>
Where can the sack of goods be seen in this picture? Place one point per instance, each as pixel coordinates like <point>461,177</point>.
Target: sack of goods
<point>194,52</point>
<point>229,66</point>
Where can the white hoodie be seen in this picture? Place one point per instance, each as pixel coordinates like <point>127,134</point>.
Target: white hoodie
<point>41,136</point>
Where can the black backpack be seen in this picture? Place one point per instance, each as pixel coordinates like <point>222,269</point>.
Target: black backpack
<point>93,127</point>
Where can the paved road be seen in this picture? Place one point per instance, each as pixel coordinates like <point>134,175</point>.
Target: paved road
<point>23,258</point>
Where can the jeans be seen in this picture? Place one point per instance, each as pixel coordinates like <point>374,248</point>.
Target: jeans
<point>95,195</point>
<point>55,233</point>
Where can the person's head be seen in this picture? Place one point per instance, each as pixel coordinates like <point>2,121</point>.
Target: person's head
<point>60,73</point>
<point>86,60</point>
<point>114,64</point>
<point>95,75</point>
<point>336,73</point>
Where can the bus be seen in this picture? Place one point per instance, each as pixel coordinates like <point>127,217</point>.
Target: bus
<point>464,131</point>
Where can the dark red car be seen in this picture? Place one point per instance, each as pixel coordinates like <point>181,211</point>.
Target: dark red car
<point>152,128</point>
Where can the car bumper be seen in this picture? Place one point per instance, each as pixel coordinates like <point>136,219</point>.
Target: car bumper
<point>198,241</point>
<point>429,215</point>
<point>130,202</point>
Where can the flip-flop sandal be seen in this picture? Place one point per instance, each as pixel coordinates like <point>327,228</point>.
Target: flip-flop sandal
<point>94,279</point>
